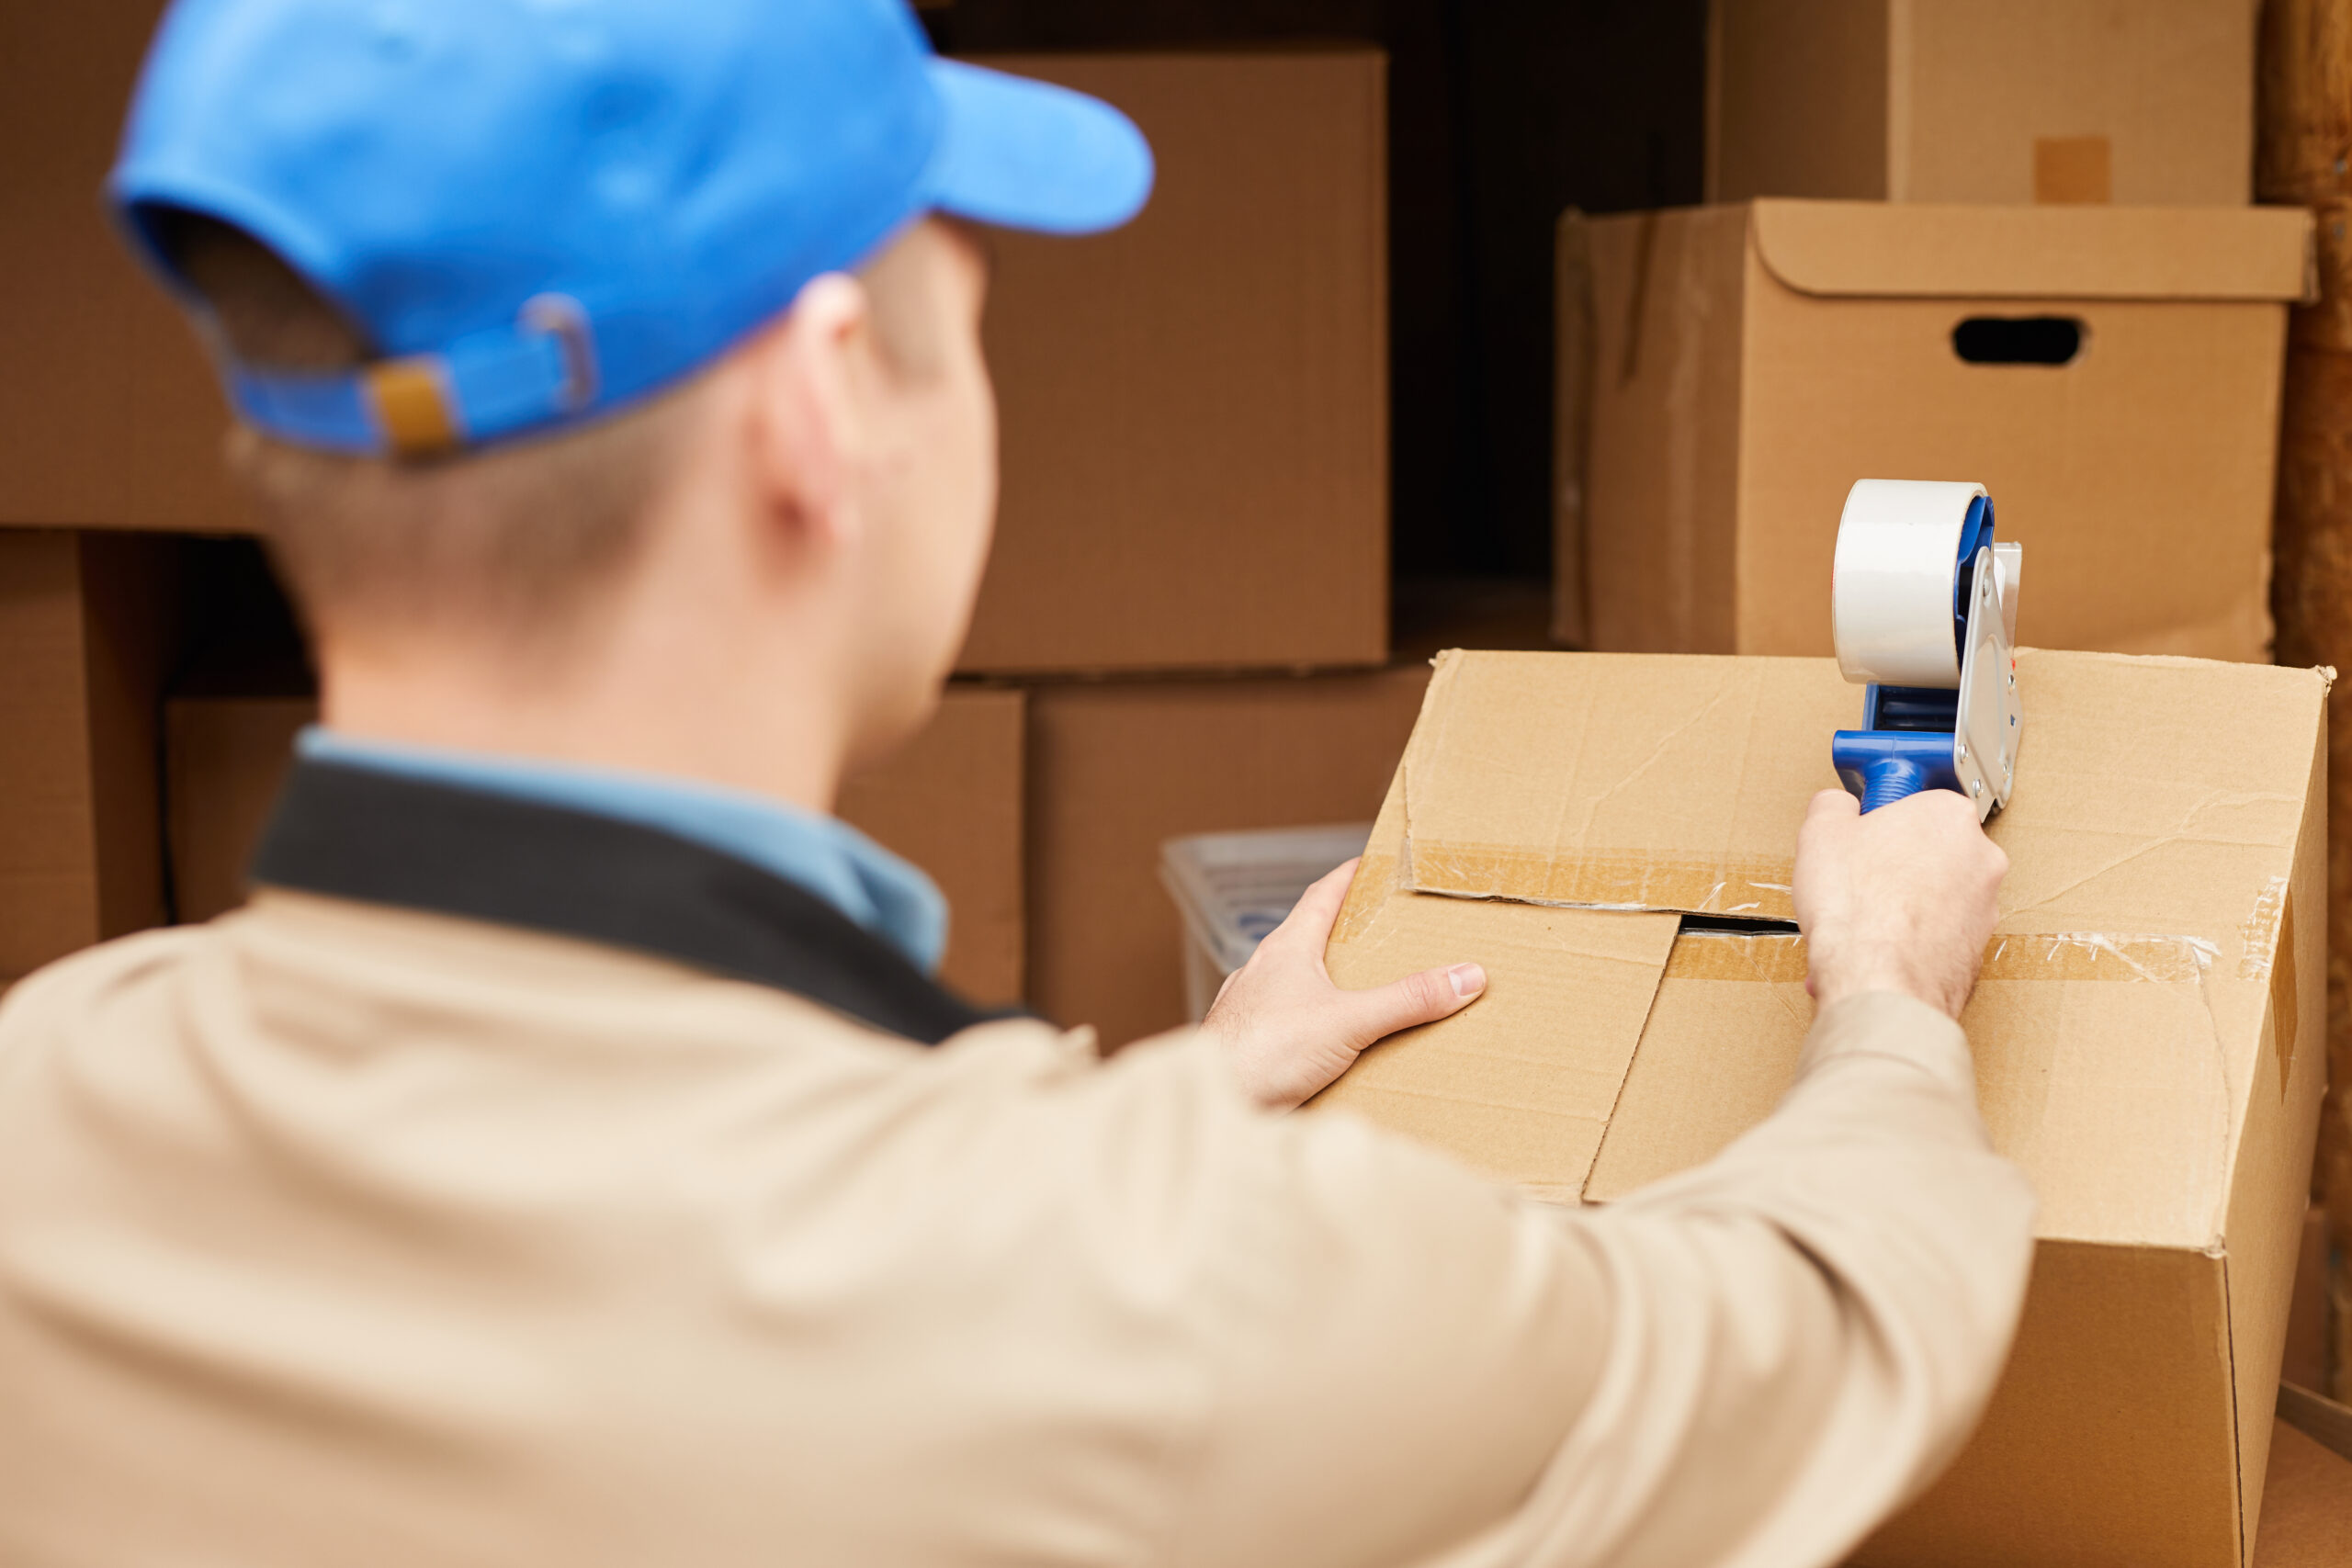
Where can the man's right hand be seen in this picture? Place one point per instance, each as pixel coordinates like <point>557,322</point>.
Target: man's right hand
<point>1901,900</point>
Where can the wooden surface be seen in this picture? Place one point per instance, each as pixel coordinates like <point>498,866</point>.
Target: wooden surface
<point>2304,157</point>
<point>2306,1501</point>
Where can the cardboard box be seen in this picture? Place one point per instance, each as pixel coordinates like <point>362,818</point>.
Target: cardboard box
<point>86,630</point>
<point>109,416</point>
<point>1194,407</point>
<point>951,802</point>
<point>1117,769</point>
<point>1751,362</point>
<point>225,758</point>
<point>2148,1028</point>
<point>2141,102</point>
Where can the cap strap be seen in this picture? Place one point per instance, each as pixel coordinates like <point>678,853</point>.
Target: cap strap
<point>413,405</point>
<point>489,384</point>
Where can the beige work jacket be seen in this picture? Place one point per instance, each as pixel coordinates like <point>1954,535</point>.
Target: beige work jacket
<point>334,1234</point>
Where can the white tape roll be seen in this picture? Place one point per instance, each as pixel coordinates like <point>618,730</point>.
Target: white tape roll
<point>1891,589</point>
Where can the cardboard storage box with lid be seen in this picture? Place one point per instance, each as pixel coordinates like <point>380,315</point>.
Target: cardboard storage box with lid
<point>2139,101</point>
<point>2147,1029</point>
<point>951,802</point>
<point>2111,375</point>
<point>1194,408</point>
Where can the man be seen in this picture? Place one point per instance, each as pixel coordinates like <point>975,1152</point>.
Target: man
<point>566,1157</point>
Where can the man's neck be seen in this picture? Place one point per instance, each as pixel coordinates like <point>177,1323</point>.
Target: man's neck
<point>645,715</point>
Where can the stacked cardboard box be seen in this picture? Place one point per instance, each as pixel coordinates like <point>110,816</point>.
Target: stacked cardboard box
<point>2141,103</point>
<point>85,623</point>
<point>1194,407</point>
<point>2098,339</point>
<point>2110,373</point>
<point>1985,240</point>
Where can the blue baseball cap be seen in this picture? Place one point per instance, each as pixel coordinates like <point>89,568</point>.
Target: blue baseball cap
<point>539,211</point>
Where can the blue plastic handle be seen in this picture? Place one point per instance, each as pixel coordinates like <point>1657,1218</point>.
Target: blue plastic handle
<point>1883,766</point>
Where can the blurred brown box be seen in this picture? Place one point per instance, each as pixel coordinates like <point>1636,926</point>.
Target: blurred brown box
<point>1194,407</point>
<point>87,624</point>
<point>2137,102</point>
<point>109,416</point>
<point>1116,768</point>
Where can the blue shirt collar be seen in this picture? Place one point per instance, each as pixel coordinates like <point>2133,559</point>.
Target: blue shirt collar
<point>823,854</point>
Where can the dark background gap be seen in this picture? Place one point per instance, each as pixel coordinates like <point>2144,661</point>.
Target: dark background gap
<point>1738,925</point>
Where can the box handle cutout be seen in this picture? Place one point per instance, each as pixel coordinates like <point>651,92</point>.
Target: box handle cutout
<point>2018,340</point>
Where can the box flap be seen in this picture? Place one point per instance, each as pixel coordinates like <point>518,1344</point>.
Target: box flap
<point>1718,1052</point>
<point>2153,831</point>
<point>2155,797</point>
<point>1520,1086</point>
<point>2098,1065</point>
<point>2040,253</point>
<point>1619,780</point>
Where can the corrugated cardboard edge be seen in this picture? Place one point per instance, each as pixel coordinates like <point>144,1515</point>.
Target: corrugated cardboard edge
<point>1425,737</point>
<point>2266,1200</point>
<point>1386,865</point>
<point>1864,248</point>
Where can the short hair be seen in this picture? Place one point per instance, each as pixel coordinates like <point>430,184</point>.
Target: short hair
<point>514,538</point>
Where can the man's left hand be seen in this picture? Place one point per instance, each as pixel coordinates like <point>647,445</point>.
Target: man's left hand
<point>1291,1032</point>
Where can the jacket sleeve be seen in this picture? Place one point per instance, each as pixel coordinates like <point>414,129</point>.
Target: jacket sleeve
<point>1750,1363</point>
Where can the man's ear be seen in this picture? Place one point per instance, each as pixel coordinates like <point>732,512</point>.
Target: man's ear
<point>808,428</point>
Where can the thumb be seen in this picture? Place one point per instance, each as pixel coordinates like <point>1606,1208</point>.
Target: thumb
<point>1833,804</point>
<point>1416,999</point>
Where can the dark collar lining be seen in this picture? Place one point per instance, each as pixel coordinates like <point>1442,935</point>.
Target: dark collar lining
<point>352,832</point>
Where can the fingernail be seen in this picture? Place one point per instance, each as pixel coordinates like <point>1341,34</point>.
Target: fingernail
<point>1468,979</point>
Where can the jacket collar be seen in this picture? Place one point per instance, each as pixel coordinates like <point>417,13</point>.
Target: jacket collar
<point>381,838</point>
<point>823,855</point>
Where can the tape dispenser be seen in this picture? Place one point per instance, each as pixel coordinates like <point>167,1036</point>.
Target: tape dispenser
<point>1924,604</point>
